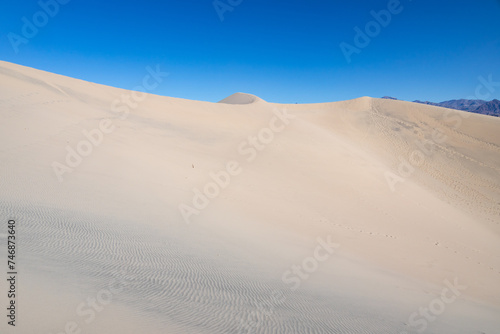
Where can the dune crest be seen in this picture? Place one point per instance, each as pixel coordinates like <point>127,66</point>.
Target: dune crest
<point>241,98</point>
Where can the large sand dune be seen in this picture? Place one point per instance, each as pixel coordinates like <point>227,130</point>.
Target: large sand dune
<point>139,213</point>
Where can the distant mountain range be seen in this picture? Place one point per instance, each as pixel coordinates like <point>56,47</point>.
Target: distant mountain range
<point>491,108</point>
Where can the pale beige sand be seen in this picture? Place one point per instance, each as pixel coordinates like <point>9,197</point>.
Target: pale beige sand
<point>324,174</point>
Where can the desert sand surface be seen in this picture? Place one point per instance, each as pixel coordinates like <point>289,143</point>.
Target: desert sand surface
<point>139,213</point>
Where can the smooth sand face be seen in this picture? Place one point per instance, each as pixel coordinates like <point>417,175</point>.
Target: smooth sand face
<point>361,216</point>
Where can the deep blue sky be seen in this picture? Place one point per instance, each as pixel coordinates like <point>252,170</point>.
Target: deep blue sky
<point>283,51</point>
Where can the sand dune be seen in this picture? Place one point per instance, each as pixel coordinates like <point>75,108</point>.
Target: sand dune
<point>244,216</point>
<point>241,98</point>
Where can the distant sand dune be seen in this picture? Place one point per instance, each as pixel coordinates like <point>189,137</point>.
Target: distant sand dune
<point>241,98</point>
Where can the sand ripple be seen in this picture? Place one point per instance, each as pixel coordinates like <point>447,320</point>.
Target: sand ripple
<point>168,283</point>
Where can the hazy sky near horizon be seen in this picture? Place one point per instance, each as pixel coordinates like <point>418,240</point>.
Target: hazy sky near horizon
<point>282,51</point>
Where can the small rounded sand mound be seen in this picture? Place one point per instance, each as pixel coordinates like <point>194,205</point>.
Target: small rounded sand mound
<point>241,98</point>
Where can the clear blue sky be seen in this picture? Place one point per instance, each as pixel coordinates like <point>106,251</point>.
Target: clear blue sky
<point>283,51</point>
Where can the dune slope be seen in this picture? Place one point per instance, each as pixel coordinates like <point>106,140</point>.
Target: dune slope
<point>246,216</point>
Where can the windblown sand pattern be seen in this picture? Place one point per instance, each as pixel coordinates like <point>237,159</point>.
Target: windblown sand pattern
<point>167,282</point>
